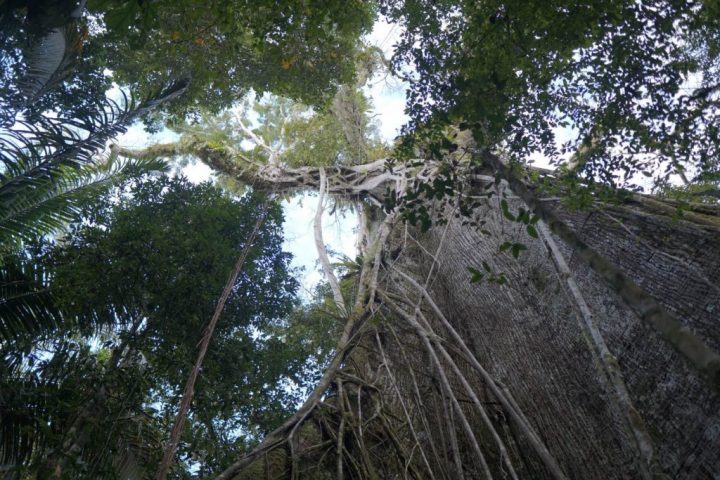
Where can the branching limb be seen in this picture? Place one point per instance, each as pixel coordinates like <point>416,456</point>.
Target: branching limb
<point>253,136</point>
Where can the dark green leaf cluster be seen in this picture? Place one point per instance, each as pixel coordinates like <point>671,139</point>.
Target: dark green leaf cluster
<point>476,276</point>
<point>136,279</point>
<point>635,81</point>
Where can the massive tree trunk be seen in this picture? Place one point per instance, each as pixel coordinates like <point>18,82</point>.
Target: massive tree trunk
<point>530,335</point>
<point>591,356</point>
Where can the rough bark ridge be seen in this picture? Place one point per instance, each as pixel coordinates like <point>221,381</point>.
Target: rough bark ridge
<point>545,369</point>
<point>528,335</point>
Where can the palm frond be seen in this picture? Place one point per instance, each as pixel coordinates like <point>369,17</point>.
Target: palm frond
<point>47,205</point>
<point>52,55</point>
<point>45,63</point>
<point>43,164</point>
<point>26,304</point>
<point>34,148</point>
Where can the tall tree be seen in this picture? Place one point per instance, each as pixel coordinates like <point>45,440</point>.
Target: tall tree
<point>143,270</point>
<point>459,244</point>
<point>489,330</point>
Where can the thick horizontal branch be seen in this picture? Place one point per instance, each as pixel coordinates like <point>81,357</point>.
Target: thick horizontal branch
<point>370,178</point>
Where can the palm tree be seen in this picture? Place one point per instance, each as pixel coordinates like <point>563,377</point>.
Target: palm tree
<point>49,163</point>
<point>46,167</point>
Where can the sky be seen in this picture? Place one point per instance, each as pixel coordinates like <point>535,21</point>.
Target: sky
<point>388,99</point>
<point>387,95</point>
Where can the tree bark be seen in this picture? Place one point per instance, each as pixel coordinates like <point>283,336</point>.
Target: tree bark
<point>526,334</point>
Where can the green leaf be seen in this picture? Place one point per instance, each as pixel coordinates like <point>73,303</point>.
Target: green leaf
<point>517,248</point>
<point>506,211</point>
<point>505,246</point>
<point>476,275</point>
<point>532,231</point>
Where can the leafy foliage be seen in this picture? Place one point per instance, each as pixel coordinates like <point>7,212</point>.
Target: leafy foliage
<point>47,167</point>
<point>26,304</point>
<point>294,134</point>
<point>47,63</point>
<point>297,48</point>
<point>633,84</point>
<point>141,273</point>
<point>47,163</point>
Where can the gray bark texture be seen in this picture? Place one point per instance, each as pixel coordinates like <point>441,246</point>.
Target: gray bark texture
<point>528,334</point>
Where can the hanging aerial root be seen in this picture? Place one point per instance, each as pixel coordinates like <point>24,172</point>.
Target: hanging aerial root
<point>502,394</point>
<point>425,336</point>
<point>403,405</point>
<point>424,326</point>
<point>473,396</point>
<point>189,391</point>
<point>280,435</point>
<point>421,407</point>
<point>322,251</point>
<point>607,365</point>
<point>361,311</point>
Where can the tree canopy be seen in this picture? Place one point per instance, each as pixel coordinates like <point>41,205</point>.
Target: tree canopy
<point>136,278</point>
<point>628,87</point>
<point>299,49</point>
